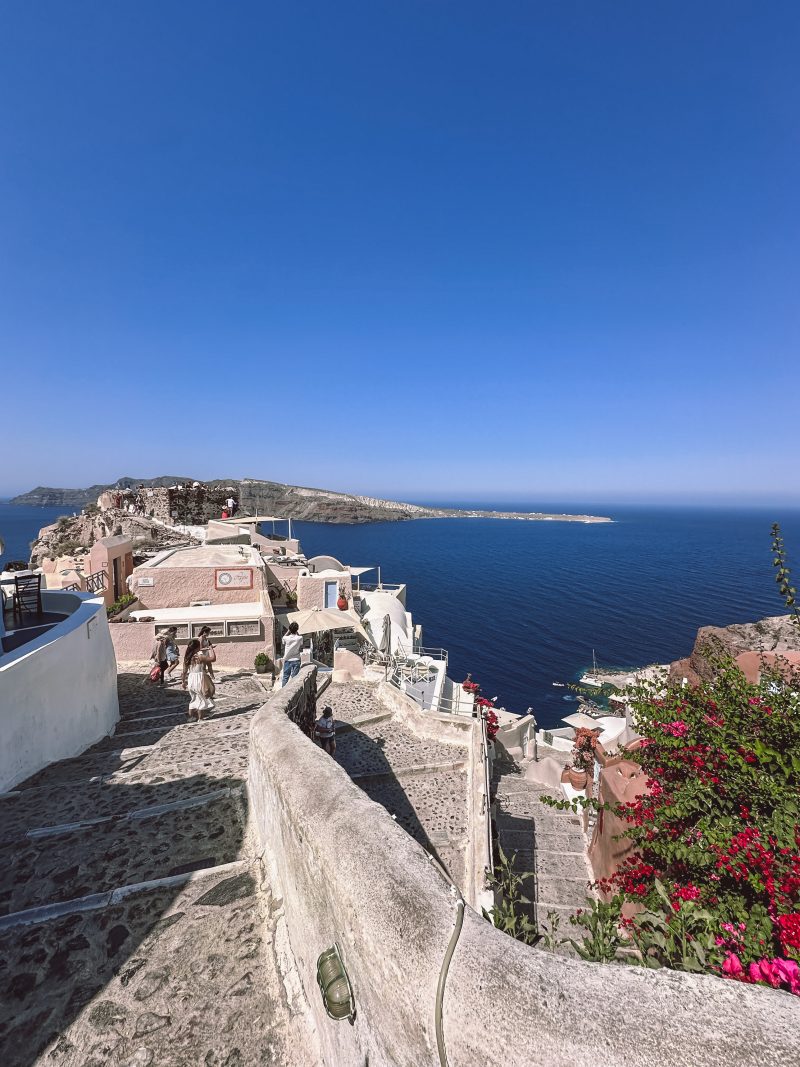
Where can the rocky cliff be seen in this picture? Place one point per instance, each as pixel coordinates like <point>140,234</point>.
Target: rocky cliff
<point>778,633</point>
<point>46,496</point>
<point>71,534</point>
<point>258,497</point>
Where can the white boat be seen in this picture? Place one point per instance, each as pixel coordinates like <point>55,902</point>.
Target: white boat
<point>589,679</point>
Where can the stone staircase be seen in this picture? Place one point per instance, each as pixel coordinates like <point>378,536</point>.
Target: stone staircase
<point>549,844</point>
<point>135,925</point>
<point>422,782</point>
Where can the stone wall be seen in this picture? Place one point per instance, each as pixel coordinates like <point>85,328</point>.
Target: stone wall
<point>348,874</point>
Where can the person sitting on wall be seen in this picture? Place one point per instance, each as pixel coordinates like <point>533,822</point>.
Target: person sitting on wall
<point>325,730</point>
<point>292,646</point>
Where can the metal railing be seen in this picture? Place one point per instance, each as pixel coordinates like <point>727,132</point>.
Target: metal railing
<point>95,583</point>
<point>434,653</point>
<point>92,583</point>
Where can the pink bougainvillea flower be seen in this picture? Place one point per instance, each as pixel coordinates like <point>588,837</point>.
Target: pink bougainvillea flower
<point>789,974</point>
<point>764,971</point>
<point>732,967</point>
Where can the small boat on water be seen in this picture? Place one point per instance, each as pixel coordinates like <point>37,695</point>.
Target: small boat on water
<point>559,684</point>
<point>589,679</point>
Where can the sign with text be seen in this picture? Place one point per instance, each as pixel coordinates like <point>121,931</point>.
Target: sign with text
<point>234,578</point>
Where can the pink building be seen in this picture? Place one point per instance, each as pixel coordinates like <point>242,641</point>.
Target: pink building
<point>112,556</point>
<point>224,586</point>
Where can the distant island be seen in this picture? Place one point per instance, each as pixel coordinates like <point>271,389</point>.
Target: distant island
<point>259,497</point>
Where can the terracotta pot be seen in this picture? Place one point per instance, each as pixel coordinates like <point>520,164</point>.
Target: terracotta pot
<point>341,603</point>
<point>577,779</point>
<point>565,774</point>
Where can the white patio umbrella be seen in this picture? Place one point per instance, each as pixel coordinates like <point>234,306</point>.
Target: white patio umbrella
<point>580,720</point>
<point>314,620</point>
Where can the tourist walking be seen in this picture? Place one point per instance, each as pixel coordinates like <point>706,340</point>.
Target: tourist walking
<point>292,646</point>
<point>197,679</point>
<point>325,730</point>
<point>158,657</point>
<point>206,646</point>
<point>173,654</point>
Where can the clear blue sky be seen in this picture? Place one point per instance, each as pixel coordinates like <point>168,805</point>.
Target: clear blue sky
<point>424,249</point>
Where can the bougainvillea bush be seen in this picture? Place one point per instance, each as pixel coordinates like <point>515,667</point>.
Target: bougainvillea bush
<point>485,707</point>
<point>718,835</point>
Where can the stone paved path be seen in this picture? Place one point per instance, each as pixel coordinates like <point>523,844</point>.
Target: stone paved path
<point>135,927</point>
<point>421,781</point>
<point>550,844</point>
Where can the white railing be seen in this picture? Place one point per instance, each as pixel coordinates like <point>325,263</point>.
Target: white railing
<point>486,800</point>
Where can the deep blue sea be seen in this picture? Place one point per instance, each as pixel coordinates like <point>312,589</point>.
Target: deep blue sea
<point>522,604</point>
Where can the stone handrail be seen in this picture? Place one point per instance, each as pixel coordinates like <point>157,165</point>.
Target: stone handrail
<point>348,874</point>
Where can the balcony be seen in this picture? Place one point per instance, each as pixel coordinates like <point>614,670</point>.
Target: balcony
<point>57,683</point>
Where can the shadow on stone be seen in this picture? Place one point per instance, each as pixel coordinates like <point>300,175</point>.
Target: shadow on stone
<point>150,826</point>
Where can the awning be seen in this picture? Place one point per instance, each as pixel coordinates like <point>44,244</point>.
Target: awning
<point>580,720</point>
<point>245,612</point>
<point>360,570</point>
<point>314,620</point>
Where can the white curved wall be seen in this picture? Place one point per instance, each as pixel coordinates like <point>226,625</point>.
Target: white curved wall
<point>58,694</point>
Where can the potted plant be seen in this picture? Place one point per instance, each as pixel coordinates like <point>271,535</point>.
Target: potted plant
<point>582,758</point>
<point>263,663</point>
<point>341,603</point>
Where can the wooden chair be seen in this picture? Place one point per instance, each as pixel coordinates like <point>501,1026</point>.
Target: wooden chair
<point>27,595</point>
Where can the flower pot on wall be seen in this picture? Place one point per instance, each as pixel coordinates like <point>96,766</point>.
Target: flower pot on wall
<point>341,603</point>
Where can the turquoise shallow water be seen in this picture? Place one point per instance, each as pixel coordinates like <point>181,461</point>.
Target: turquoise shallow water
<point>522,604</point>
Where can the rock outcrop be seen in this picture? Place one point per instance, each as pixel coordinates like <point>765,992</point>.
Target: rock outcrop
<point>778,634</point>
<point>45,496</point>
<point>257,496</point>
<point>76,534</point>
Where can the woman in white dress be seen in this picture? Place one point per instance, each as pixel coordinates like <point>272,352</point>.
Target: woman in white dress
<point>197,679</point>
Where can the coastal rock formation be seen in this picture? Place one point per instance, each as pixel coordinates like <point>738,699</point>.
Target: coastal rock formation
<point>74,499</point>
<point>256,496</point>
<point>71,534</point>
<point>777,634</point>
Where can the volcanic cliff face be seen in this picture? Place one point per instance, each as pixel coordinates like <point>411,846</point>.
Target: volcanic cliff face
<point>255,497</point>
<point>259,497</point>
<point>321,505</point>
<point>778,633</point>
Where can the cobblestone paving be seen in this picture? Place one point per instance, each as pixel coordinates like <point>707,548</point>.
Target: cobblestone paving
<point>115,969</point>
<point>422,782</point>
<point>549,844</point>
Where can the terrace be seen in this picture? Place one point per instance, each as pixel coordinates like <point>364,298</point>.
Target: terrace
<point>16,631</point>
